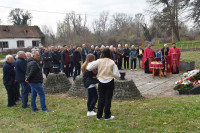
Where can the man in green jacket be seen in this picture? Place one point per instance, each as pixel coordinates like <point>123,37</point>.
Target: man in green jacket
<point>133,57</point>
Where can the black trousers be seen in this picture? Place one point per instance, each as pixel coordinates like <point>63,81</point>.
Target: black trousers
<point>119,63</point>
<point>92,98</point>
<point>17,89</point>
<point>105,96</point>
<point>146,70</point>
<point>71,69</point>
<point>126,62</point>
<point>66,70</point>
<point>47,71</point>
<point>11,91</point>
<point>77,70</point>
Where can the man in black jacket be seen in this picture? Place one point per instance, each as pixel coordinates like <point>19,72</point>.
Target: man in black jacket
<point>56,58</point>
<point>65,60</point>
<point>84,53</point>
<point>77,62</point>
<point>126,57</point>
<point>47,62</point>
<point>34,78</point>
<point>164,52</point>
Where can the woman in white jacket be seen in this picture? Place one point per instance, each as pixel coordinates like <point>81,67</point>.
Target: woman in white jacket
<point>107,71</point>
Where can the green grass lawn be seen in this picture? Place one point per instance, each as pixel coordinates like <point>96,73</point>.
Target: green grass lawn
<point>192,55</point>
<point>181,45</point>
<point>2,56</point>
<point>163,115</point>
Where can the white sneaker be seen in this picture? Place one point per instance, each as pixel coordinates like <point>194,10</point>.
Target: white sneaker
<point>135,69</point>
<point>98,119</point>
<point>91,113</point>
<point>131,69</point>
<point>111,117</point>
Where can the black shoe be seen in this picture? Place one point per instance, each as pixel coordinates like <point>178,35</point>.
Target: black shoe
<point>46,110</point>
<point>28,106</point>
<point>35,110</point>
<point>14,104</point>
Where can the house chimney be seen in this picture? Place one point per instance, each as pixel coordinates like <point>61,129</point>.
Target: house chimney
<point>25,31</point>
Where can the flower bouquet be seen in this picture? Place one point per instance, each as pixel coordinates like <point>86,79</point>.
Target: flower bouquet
<point>189,83</point>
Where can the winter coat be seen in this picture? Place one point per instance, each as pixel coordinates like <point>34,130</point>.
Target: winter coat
<point>33,73</point>
<point>20,70</point>
<point>8,73</point>
<point>88,80</point>
<point>47,60</point>
<point>133,53</point>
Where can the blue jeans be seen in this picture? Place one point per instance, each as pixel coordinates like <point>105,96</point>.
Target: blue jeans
<point>92,98</point>
<point>135,61</point>
<point>139,60</point>
<point>41,67</point>
<point>24,93</point>
<point>37,88</point>
<point>61,67</point>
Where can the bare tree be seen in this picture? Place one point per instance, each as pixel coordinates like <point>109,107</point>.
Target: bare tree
<point>139,20</point>
<point>100,26</point>
<point>49,35</point>
<point>73,29</point>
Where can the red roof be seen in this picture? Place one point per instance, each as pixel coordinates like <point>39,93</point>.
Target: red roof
<point>7,31</point>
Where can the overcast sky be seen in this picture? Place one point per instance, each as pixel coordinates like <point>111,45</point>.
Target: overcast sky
<point>90,7</point>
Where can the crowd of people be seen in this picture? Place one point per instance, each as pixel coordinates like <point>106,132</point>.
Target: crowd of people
<point>100,65</point>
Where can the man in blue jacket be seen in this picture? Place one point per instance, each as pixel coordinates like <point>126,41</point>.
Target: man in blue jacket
<point>20,68</point>
<point>9,80</point>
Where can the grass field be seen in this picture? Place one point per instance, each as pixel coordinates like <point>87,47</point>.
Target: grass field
<point>162,115</point>
<point>192,55</point>
<point>2,56</point>
<point>181,45</point>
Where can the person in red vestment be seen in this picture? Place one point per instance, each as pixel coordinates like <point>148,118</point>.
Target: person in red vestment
<point>175,55</point>
<point>148,57</point>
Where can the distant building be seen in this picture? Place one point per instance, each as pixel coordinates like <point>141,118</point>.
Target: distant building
<point>13,37</point>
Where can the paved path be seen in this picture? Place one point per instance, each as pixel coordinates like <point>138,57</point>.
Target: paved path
<point>156,87</point>
<point>150,87</point>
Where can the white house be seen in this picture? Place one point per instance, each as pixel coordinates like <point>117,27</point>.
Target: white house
<point>12,37</point>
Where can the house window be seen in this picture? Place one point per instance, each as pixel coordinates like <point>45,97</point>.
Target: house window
<point>4,45</point>
<point>20,44</point>
<point>35,43</point>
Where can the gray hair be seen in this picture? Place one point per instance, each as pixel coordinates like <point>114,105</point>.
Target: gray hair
<point>111,47</point>
<point>165,45</point>
<point>34,53</point>
<point>96,47</point>
<point>102,46</point>
<point>9,57</point>
<point>20,53</point>
<point>27,53</point>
